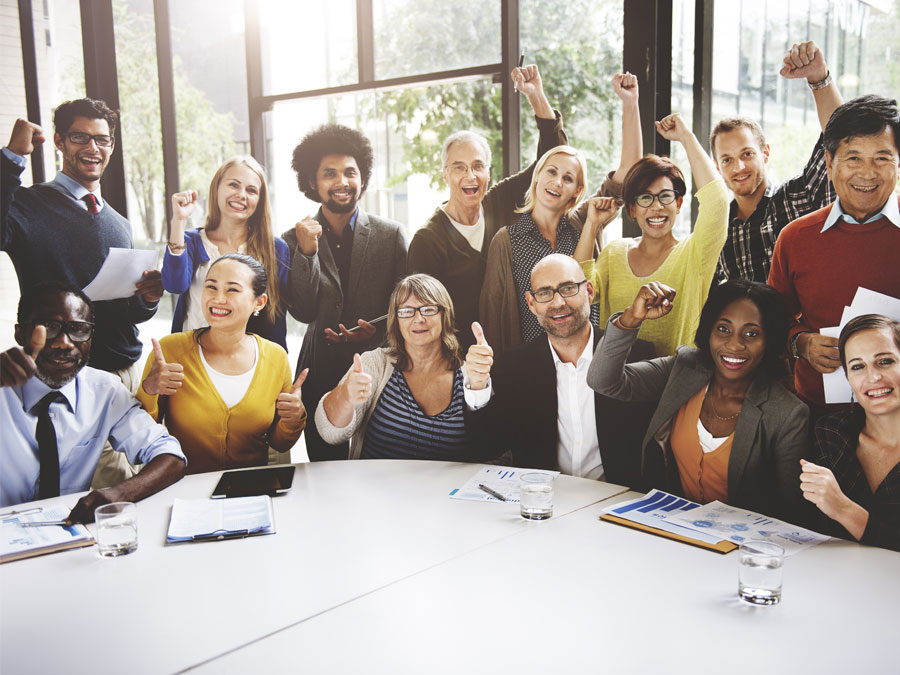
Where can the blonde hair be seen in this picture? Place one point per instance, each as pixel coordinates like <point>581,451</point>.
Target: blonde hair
<point>531,195</point>
<point>260,239</point>
<point>429,291</point>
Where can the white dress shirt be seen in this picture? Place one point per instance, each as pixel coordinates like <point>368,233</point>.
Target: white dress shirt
<point>578,450</point>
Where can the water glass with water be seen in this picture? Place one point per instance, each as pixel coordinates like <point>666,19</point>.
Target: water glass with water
<point>759,578</point>
<point>116,528</point>
<point>536,495</point>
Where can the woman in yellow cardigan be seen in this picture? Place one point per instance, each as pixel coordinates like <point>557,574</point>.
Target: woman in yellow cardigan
<point>224,393</point>
<point>653,193</point>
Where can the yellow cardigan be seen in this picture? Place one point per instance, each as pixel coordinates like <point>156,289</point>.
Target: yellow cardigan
<point>213,436</point>
<point>688,269</point>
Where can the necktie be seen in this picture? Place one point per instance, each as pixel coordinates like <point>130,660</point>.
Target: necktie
<point>92,203</point>
<point>47,450</point>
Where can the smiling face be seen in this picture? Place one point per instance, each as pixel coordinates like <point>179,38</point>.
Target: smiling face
<point>419,331</point>
<point>238,193</point>
<point>228,299</point>
<point>864,172</point>
<point>338,183</point>
<point>558,182</point>
<point>741,161</point>
<point>467,175</point>
<point>737,342</point>
<point>61,358</point>
<point>560,317</point>
<point>873,369</point>
<point>85,163</point>
<point>657,220</point>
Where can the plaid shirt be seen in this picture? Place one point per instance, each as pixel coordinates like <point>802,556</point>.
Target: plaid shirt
<point>747,252</point>
<point>836,438</point>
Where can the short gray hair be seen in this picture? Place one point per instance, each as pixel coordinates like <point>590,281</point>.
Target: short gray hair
<point>465,136</point>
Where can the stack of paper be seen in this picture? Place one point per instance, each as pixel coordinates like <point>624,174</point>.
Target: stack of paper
<point>503,480</point>
<point>214,519</point>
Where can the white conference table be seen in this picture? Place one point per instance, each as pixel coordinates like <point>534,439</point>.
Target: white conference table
<point>387,574</point>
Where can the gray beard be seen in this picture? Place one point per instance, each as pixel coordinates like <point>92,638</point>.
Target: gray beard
<point>57,383</point>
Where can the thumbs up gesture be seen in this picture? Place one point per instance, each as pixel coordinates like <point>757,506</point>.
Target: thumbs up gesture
<point>164,379</point>
<point>359,383</point>
<point>479,360</point>
<point>288,405</point>
<point>17,365</point>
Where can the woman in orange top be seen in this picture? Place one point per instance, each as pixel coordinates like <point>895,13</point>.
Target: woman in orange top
<point>224,393</point>
<point>724,428</point>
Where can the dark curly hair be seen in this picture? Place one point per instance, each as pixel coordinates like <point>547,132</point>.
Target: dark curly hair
<point>330,139</point>
<point>775,319</point>
<point>93,109</point>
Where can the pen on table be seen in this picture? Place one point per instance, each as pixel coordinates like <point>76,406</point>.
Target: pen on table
<point>492,493</point>
<point>13,514</point>
<point>521,61</point>
<point>43,523</point>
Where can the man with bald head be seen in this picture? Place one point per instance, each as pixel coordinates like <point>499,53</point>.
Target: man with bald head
<point>541,408</point>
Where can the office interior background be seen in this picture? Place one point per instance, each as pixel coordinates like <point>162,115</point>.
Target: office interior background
<point>200,80</point>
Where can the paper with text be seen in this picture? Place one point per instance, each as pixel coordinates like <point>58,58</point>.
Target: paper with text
<point>501,479</point>
<point>121,270</point>
<point>656,509</point>
<point>209,517</point>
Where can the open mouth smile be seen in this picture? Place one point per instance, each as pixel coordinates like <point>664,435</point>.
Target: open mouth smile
<point>733,362</point>
<point>470,190</point>
<point>864,188</point>
<point>219,311</point>
<point>881,392</point>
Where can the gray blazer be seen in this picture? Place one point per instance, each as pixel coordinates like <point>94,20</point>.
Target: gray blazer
<point>315,296</point>
<point>771,435</point>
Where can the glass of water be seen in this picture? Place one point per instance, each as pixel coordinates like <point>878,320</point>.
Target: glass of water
<point>116,528</point>
<point>536,495</point>
<point>759,578</point>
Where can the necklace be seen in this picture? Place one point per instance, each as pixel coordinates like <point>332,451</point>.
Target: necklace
<point>712,409</point>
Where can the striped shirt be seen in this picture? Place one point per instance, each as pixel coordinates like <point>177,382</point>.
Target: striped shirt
<point>400,429</point>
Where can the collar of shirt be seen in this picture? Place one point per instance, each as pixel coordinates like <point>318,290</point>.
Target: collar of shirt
<point>759,213</point>
<point>352,222</point>
<point>72,187</point>
<point>890,210</point>
<point>34,390</point>
<point>586,354</point>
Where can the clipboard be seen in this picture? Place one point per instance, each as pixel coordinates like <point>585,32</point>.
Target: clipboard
<point>723,546</point>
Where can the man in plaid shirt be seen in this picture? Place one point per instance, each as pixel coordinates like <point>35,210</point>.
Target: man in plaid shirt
<point>759,211</point>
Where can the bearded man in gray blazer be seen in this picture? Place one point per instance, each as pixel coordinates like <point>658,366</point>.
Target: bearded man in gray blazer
<point>340,280</point>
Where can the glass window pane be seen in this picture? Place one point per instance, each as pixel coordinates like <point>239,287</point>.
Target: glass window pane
<point>578,47</point>
<point>423,36</point>
<point>210,78</point>
<point>683,98</point>
<point>307,45</point>
<point>141,129</point>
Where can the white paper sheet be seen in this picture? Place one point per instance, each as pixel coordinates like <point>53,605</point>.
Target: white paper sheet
<point>121,270</point>
<point>501,479</point>
<point>656,509</point>
<point>739,525</point>
<point>204,517</point>
<point>15,539</point>
<point>866,301</point>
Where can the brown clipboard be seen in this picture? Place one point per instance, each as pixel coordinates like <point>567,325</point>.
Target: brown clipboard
<point>723,546</point>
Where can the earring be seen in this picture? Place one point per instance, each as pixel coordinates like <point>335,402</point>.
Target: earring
<point>256,312</point>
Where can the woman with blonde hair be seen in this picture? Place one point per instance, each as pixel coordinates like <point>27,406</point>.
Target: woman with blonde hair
<point>557,186</point>
<point>238,222</point>
<point>405,401</point>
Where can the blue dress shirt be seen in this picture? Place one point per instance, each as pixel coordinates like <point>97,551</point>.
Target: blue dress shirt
<point>97,407</point>
<point>63,183</point>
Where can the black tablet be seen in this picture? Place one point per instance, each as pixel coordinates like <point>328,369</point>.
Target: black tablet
<point>272,480</point>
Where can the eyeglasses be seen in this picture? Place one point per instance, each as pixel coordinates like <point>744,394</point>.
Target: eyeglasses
<point>80,138</point>
<point>424,310</point>
<point>665,198</point>
<point>461,169</point>
<point>78,331</point>
<point>565,291</point>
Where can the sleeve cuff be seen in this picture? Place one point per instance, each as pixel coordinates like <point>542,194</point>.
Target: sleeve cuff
<point>476,399</point>
<point>18,160</point>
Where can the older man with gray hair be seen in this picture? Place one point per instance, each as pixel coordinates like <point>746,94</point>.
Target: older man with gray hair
<point>453,245</point>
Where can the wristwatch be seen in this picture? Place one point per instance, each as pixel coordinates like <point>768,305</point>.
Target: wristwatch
<point>795,349</point>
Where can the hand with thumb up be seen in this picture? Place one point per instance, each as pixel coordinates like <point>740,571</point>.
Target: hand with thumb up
<point>479,360</point>
<point>289,406</point>
<point>164,379</point>
<point>359,383</point>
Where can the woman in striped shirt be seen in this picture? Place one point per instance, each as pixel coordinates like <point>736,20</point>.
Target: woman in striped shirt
<point>405,401</point>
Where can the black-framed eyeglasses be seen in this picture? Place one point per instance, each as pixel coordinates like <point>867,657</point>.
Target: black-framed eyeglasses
<point>78,331</point>
<point>565,291</point>
<point>424,310</point>
<point>665,197</point>
<point>81,138</point>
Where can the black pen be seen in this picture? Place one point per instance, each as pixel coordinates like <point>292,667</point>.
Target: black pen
<point>492,493</point>
<point>44,523</point>
<point>516,83</point>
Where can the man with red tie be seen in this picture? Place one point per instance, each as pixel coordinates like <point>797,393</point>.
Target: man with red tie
<point>62,230</point>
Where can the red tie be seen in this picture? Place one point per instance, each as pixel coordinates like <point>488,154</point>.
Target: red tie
<point>92,203</point>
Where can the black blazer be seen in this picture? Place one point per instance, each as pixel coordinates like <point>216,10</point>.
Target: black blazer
<point>522,414</point>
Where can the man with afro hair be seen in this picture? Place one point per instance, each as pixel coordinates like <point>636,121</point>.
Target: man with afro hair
<point>344,265</point>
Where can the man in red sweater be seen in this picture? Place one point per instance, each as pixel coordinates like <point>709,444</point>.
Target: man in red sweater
<point>822,258</point>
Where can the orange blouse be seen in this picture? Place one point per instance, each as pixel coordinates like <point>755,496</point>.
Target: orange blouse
<point>704,475</point>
